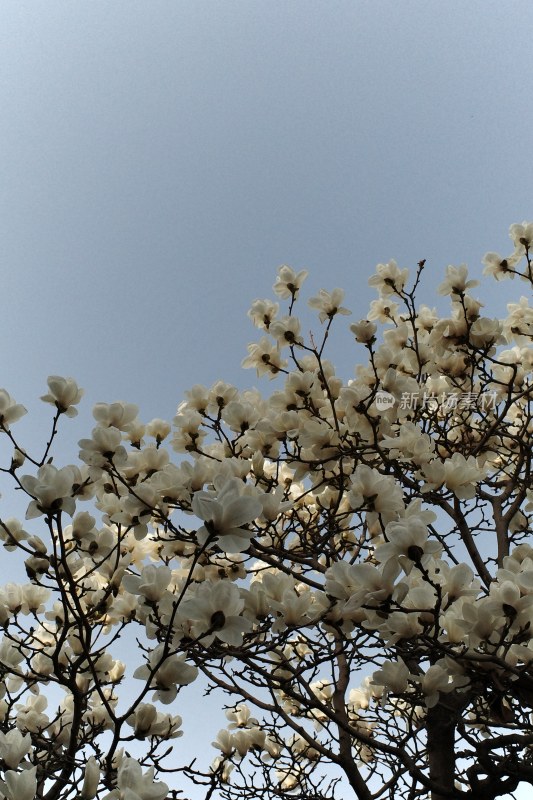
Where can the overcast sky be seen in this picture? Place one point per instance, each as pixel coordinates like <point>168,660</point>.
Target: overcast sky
<point>160,159</point>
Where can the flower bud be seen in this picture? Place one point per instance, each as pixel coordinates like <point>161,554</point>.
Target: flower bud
<point>90,780</point>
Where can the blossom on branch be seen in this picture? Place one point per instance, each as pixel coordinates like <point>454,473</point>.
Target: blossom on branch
<point>226,513</point>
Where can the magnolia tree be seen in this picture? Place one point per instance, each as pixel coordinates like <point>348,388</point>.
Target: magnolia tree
<point>345,566</point>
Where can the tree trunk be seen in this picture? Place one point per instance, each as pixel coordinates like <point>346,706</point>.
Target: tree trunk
<point>441,750</point>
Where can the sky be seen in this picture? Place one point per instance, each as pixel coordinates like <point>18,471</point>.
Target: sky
<point>159,160</point>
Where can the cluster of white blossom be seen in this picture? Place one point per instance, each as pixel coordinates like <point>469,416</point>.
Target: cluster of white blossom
<point>356,577</point>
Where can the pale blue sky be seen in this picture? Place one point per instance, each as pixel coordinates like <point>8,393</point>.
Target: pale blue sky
<point>159,160</point>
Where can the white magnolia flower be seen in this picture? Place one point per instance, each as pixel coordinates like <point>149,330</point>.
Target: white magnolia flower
<point>241,741</point>
<point>13,747</point>
<point>461,475</point>
<point>364,330</point>
<point>64,394</point>
<point>52,490</point>
<point>142,719</point>
<point>240,415</point>
<point>11,601</point>
<point>224,742</point>
<point>296,608</point>
<point>286,331</point>
<point>91,779</point>
<point>104,446</point>
<point>456,581</point>
<point>288,778</point>
<point>519,323</point>
<point>167,726</point>
<point>12,532</point>
<point>456,282</point>
<point>240,717</point>
<point>499,267</point>
<point>328,304</point>
<point>10,411</point>
<point>382,310</point>
<point>21,785</point>
<point>133,784</point>
<point>215,611</point>
<point>522,236</point>
<point>289,282</point>
<point>265,357</point>
<point>393,676</point>
<point>115,415</point>
<point>222,768</point>
<point>506,599</point>
<point>437,679</point>
<point>173,671</point>
<point>375,492</point>
<point>389,279</point>
<point>34,598</point>
<point>159,429</point>
<point>358,585</point>
<point>225,513</point>
<point>263,312</point>
<point>486,332</point>
<point>151,583</point>
<point>31,716</point>
<point>407,541</point>
<point>189,433</point>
